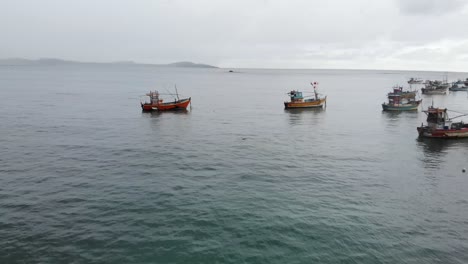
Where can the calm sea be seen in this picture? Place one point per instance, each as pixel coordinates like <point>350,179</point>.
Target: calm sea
<point>86,177</point>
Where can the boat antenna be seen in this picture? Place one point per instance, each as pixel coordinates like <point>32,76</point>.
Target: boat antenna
<point>169,93</point>
<point>175,86</point>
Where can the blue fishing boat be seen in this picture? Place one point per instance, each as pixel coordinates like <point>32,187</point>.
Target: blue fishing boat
<point>400,100</point>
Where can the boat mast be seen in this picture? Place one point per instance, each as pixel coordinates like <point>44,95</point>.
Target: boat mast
<point>177,94</point>
<point>314,84</point>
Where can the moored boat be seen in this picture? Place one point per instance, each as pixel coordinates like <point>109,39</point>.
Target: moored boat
<point>456,86</point>
<point>400,100</point>
<point>431,91</point>
<point>440,125</point>
<point>435,87</point>
<point>415,80</point>
<point>401,107</point>
<point>156,103</point>
<point>299,101</point>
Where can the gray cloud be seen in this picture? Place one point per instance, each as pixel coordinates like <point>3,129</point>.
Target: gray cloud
<point>430,7</point>
<point>241,33</point>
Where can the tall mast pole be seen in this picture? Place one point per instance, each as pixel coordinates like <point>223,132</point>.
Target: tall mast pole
<point>315,90</point>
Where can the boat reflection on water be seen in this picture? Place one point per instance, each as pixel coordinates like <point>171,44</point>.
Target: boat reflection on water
<point>298,115</point>
<point>396,120</point>
<point>435,150</point>
<point>166,114</point>
<point>434,145</point>
<point>304,110</point>
<point>168,120</point>
<point>161,113</point>
<point>395,114</point>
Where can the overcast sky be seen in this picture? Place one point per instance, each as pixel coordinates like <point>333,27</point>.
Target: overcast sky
<point>361,34</point>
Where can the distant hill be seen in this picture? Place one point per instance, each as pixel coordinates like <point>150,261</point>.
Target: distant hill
<point>53,61</point>
<point>189,64</point>
<point>15,61</point>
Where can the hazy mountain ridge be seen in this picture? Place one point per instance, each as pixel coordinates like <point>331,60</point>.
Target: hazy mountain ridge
<point>53,61</point>
<point>190,64</point>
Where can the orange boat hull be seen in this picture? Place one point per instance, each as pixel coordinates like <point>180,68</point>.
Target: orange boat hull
<point>176,105</point>
<point>313,104</point>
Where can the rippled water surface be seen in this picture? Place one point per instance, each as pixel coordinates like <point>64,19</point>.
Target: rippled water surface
<point>86,177</point>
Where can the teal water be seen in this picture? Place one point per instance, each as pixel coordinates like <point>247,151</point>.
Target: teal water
<point>86,177</point>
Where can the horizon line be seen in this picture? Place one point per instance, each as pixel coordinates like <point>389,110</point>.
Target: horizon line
<point>131,62</point>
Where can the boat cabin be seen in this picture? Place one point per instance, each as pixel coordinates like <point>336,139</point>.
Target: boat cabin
<point>438,118</point>
<point>397,89</point>
<point>394,99</point>
<point>154,97</point>
<point>296,96</point>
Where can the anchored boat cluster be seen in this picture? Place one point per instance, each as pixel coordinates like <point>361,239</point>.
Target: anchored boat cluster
<point>439,124</point>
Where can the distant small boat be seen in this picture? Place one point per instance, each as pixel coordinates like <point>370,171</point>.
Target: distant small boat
<point>400,100</point>
<point>431,91</point>
<point>456,87</point>
<point>439,125</point>
<point>299,101</point>
<point>156,103</point>
<point>435,87</point>
<point>415,80</point>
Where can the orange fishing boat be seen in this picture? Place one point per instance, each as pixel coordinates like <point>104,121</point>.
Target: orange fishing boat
<point>299,101</point>
<point>156,103</point>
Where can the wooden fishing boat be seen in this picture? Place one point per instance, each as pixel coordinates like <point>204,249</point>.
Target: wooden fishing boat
<point>400,100</point>
<point>401,107</point>
<point>435,87</point>
<point>398,90</point>
<point>299,101</point>
<point>156,103</point>
<point>434,90</point>
<point>440,125</point>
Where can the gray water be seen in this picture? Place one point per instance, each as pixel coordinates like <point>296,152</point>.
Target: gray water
<point>86,177</point>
